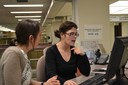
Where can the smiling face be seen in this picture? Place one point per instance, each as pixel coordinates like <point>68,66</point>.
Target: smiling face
<point>70,36</point>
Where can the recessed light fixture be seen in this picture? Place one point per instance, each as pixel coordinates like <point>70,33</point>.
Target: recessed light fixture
<point>27,16</point>
<point>119,7</point>
<point>31,19</point>
<point>6,29</point>
<point>25,12</point>
<point>27,5</point>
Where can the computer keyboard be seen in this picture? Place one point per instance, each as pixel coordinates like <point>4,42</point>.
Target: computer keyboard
<point>96,80</point>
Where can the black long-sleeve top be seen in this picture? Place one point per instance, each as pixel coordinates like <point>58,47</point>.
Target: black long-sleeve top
<point>56,65</point>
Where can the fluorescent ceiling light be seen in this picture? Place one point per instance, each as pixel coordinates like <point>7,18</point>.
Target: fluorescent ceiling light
<point>27,5</point>
<point>119,7</point>
<point>27,16</point>
<point>31,19</point>
<point>6,29</point>
<point>20,12</point>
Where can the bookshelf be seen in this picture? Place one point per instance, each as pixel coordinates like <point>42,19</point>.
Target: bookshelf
<point>33,56</point>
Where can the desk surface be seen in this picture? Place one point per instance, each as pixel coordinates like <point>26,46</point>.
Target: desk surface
<point>83,78</point>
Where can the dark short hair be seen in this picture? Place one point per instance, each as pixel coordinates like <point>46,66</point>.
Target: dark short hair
<point>26,28</point>
<point>64,27</point>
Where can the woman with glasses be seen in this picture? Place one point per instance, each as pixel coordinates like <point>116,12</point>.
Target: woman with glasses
<point>15,67</point>
<point>63,58</point>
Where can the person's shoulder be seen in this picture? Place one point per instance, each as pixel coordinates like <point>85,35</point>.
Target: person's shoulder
<point>11,53</point>
<point>11,48</point>
<point>52,46</point>
<point>52,49</point>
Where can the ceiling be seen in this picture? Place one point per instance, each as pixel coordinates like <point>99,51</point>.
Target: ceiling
<point>8,20</point>
<point>49,11</point>
<point>119,7</point>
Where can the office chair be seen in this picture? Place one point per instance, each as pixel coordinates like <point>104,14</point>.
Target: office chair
<point>40,68</point>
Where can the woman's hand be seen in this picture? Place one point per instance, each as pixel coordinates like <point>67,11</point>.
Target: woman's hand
<point>78,51</point>
<point>70,82</point>
<point>52,81</point>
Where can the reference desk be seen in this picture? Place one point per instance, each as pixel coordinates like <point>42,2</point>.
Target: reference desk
<point>83,78</point>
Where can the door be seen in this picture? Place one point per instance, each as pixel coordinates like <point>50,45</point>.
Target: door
<point>118,30</point>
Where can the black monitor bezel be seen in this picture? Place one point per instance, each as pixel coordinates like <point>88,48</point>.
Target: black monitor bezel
<point>116,56</point>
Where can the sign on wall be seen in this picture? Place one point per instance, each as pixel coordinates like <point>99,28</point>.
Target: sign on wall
<point>118,18</point>
<point>89,45</point>
<point>93,31</point>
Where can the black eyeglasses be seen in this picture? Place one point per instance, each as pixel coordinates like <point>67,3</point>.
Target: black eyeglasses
<point>72,34</point>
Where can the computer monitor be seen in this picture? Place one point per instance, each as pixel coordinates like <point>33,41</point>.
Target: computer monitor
<point>118,59</point>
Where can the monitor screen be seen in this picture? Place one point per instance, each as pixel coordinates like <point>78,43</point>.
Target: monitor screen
<point>118,59</point>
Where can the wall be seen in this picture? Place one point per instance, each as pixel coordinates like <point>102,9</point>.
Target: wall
<point>93,12</point>
<point>124,28</point>
<point>50,30</point>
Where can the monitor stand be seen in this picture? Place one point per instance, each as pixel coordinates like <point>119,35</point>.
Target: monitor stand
<point>122,81</point>
<point>121,78</point>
